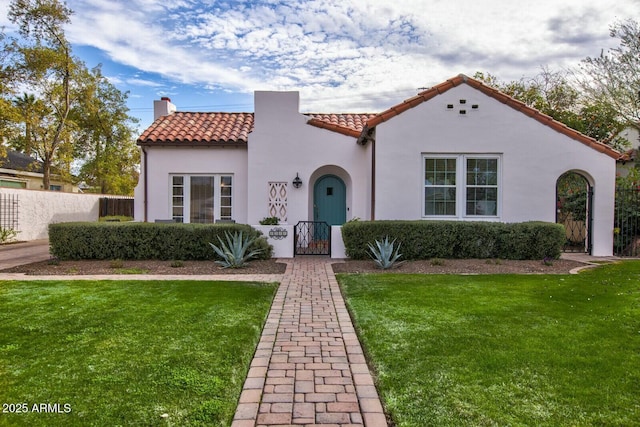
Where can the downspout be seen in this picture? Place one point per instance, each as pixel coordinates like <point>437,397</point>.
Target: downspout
<point>144,172</point>
<point>373,179</point>
<point>369,134</point>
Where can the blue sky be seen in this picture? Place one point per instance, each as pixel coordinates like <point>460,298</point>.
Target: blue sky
<point>342,55</point>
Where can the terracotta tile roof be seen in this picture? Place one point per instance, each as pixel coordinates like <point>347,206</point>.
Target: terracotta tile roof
<point>186,128</point>
<point>494,93</point>
<point>350,124</point>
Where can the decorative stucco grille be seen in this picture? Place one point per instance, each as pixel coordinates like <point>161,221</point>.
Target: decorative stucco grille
<point>278,200</point>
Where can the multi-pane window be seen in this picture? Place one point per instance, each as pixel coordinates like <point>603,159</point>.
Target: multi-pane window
<point>177,204</point>
<point>196,198</point>
<point>461,185</point>
<point>482,186</point>
<point>225,198</point>
<point>440,186</point>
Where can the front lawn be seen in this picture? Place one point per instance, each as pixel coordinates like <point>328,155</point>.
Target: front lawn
<point>126,352</point>
<point>496,350</point>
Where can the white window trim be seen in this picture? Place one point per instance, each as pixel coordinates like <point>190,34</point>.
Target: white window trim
<point>461,185</point>
<point>217,207</point>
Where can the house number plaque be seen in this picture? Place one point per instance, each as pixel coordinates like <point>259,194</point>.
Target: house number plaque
<point>278,233</point>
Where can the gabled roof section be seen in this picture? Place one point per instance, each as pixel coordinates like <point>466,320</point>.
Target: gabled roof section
<point>187,128</point>
<point>20,162</point>
<point>350,124</point>
<point>494,93</point>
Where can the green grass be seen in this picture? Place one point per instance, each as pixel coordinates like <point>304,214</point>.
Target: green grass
<point>498,350</point>
<point>131,270</point>
<point>127,352</point>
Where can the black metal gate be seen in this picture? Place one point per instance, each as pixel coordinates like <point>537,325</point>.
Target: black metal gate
<point>626,237</point>
<point>574,211</point>
<point>312,238</point>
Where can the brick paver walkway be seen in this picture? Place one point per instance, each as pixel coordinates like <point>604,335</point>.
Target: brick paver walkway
<point>309,368</point>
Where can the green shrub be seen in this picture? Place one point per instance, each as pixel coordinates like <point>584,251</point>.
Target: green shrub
<point>270,220</point>
<point>458,239</point>
<point>115,218</point>
<point>7,234</point>
<point>140,240</point>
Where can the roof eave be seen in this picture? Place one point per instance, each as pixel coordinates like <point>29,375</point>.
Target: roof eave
<point>334,128</point>
<point>240,143</point>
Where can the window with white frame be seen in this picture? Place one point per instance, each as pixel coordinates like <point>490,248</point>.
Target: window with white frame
<point>461,185</point>
<point>201,198</point>
<point>482,186</point>
<point>440,186</point>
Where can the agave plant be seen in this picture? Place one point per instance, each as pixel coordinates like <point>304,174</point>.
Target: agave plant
<point>384,254</point>
<point>233,251</point>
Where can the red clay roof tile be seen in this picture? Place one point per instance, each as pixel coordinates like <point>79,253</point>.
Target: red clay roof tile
<point>186,128</point>
<point>350,124</point>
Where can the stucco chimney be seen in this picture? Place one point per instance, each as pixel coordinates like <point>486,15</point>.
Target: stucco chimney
<point>164,107</point>
<point>276,107</point>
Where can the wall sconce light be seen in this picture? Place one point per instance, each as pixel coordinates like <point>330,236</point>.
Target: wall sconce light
<point>297,182</point>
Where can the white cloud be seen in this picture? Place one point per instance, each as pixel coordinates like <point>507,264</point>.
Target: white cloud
<point>143,82</point>
<point>343,54</point>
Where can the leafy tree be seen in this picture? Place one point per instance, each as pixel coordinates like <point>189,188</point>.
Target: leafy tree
<point>7,111</point>
<point>601,121</point>
<point>26,107</point>
<point>548,92</point>
<point>613,78</point>
<point>46,65</point>
<point>105,140</point>
<point>71,114</point>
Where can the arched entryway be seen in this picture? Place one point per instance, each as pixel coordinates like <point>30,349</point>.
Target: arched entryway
<point>573,210</point>
<point>330,200</point>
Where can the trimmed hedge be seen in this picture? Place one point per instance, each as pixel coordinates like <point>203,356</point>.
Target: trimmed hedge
<point>458,239</point>
<point>139,240</point>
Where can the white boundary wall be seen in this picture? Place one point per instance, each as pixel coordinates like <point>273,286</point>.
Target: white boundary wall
<point>37,209</point>
<point>281,238</point>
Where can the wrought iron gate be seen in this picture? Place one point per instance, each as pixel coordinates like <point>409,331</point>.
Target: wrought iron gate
<point>574,211</point>
<point>626,237</point>
<point>312,238</point>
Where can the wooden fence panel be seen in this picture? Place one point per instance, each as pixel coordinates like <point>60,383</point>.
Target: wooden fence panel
<point>116,206</point>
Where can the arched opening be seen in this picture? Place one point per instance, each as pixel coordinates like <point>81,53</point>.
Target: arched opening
<point>329,200</point>
<point>574,195</point>
<point>322,174</point>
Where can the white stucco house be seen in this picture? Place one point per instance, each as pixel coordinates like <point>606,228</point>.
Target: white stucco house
<point>458,151</point>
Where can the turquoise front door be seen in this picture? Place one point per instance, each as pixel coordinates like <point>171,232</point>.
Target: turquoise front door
<point>330,200</point>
